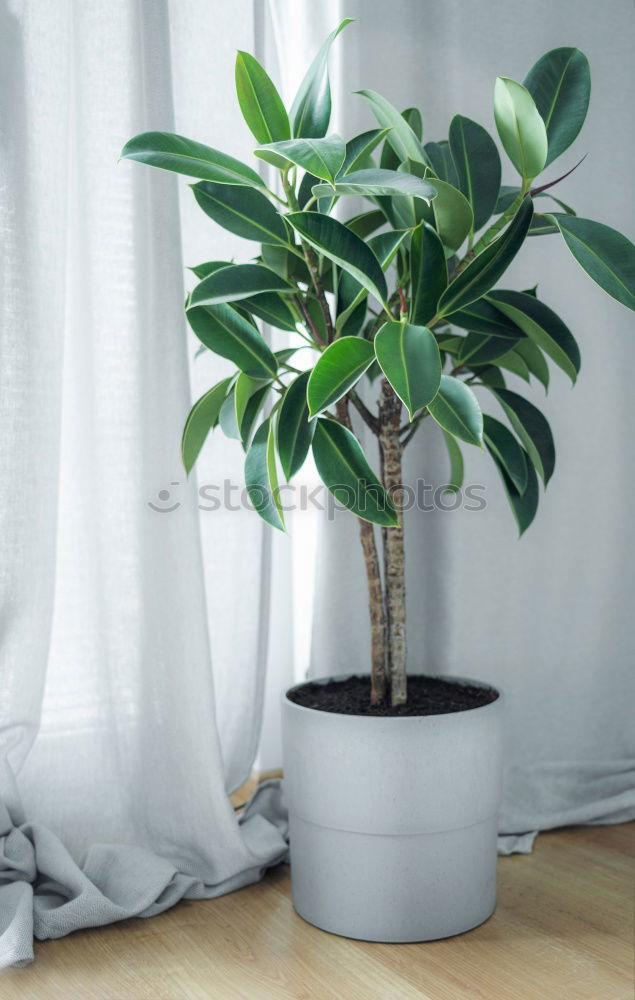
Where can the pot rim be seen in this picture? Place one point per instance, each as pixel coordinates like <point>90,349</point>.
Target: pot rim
<point>393,718</point>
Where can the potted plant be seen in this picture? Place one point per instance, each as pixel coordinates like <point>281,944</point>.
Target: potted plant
<point>396,315</point>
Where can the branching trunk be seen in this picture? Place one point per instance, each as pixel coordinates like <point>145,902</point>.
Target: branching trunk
<point>375,595</point>
<point>394,556</point>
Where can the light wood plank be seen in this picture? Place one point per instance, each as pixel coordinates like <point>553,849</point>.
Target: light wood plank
<point>563,929</point>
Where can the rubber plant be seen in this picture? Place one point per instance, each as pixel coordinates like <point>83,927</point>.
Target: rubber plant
<point>404,295</point>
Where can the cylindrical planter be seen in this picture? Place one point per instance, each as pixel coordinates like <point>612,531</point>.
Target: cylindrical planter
<point>393,820</point>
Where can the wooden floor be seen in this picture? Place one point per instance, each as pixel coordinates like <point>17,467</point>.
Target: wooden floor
<point>563,930</point>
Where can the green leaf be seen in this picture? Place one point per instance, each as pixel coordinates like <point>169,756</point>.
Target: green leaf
<point>428,273</point>
<point>514,363</point>
<point>259,101</point>
<point>520,127</point>
<point>543,326</point>
<point>260,476</point>
<point>242,211</point>
<point>524,506</point>
<point>379,182</point>
<point>452,214</point>
<point>350,293</point>
<point>410,360</point>
<point>606,255</point>
<point>202,270</point>
<point>340,245</point>
<point>365,223</point>
<point>402,139</point>
<point>533,430</point>
<point>202,418</point>
<point>502,444</point>
<point>560,84</point>
<point>227,417</point>
<point>320,157</point>
<point>295,428</point>
<point>506,197</point>
<point>483,317</point>
<point>478,166</point>
<point>227,333</point>
<point>442,162</point>
<point>483,272</point>
<point>455,408</point>
<point>457,466</point>
<point>235,282</point>
<point>311,109</point>
<point>253,404</point>
<point>541,226</point>
<point>337,370</point>
<point>535,360</point>
<point>184,156</point>
<point>359,149</point>
<point>484,348</point>
<point>271,307</point>
<point>344,470</point>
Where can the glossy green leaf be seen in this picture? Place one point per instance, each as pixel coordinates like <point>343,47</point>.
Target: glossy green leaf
<point>379,182</point>
<point>520,127</point>
<point>227,333</point>
<point>208,267</point>
<point>535,361</point>
<point>484,348</point>
<point>260,476</point>
<point>483,272</point>
<point>340,245</point>
<point>506,197</point>
<point>337,370</point>
<point>402,139</point>
<point>514,363</point>
<point>452,214</point>
<point>359,149</point>
<point>242,211</point>
<point>543,326</point>
<point>295,428</point>
<point>235,282</point>
<point>184,156</point>
<point>272,308</point>
<point>457,465</point>
<point>409,358</point>
<point>440,157</point>
<point>533,430</point>
<point>365,223</point>
<point>560,84</point>
<point>350,293</point>
<point>606,255</point>
<point>320,157</point>
<point>227,418</point>
<point>502,444</point>
<point>483,317</point>
<point>311,109</point>
<point>428,274</point>
<point>248,405</point>
<point>524,506</point>
<point>478,166</point>
<point>259,101</point>
<point>202,418</point>
<point>344,470</point>
<point>455,408</point>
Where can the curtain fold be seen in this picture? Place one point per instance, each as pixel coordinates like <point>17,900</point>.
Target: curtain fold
<point>112,769</point>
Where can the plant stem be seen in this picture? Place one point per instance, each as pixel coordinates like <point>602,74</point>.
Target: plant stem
<point>493,231</point>
<point>375,593</point>
<point>394,554</point>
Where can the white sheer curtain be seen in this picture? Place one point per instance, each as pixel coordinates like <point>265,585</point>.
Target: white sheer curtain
<point>112,785</point>
<point>547,618</point>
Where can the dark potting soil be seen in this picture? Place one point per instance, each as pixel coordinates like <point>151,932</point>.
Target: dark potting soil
<point>426,696</point>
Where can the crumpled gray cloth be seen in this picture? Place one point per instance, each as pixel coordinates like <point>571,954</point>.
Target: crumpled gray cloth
<point>44,893</point>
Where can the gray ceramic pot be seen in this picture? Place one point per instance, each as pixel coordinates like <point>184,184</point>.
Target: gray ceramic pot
<point>393,821</point>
